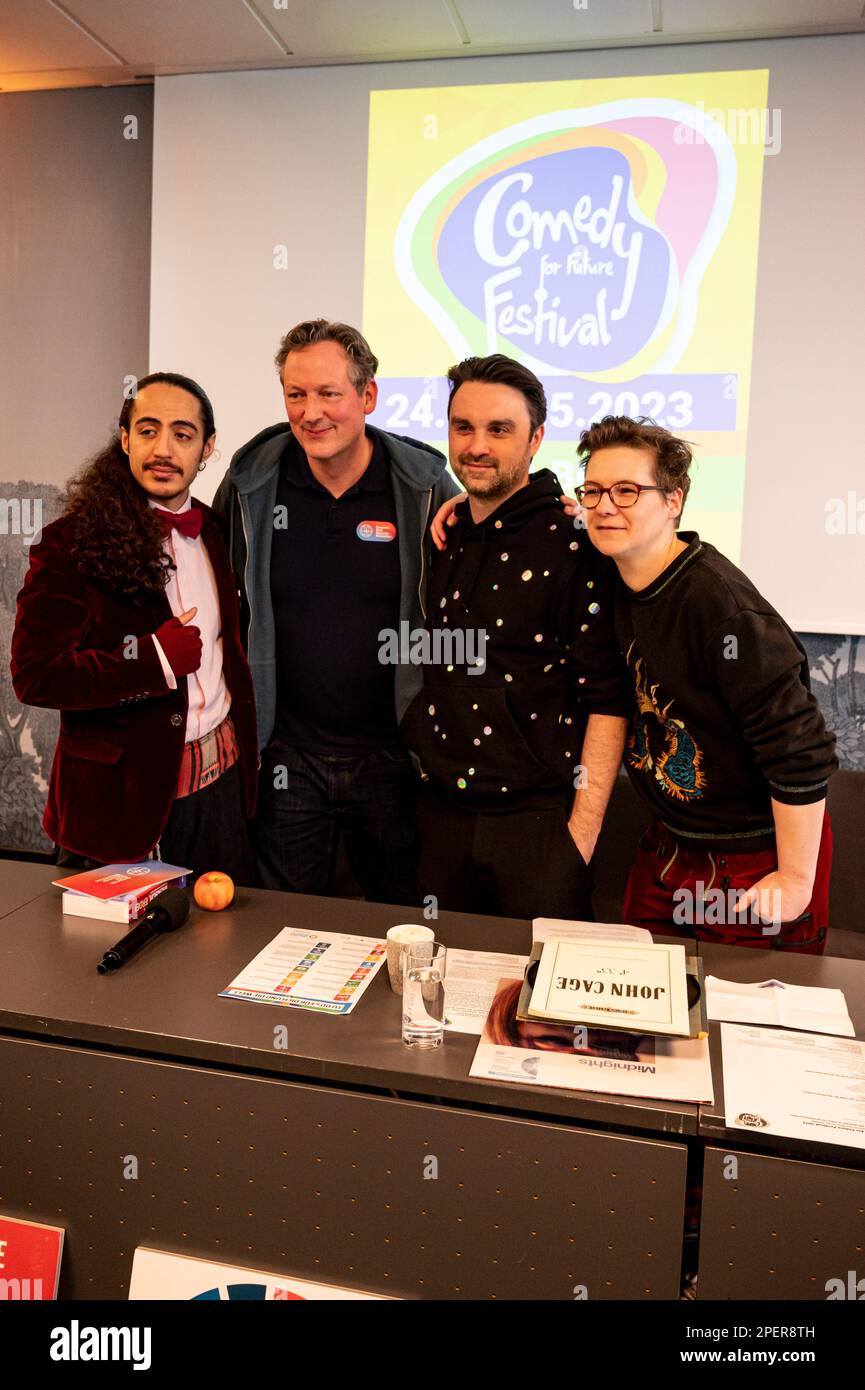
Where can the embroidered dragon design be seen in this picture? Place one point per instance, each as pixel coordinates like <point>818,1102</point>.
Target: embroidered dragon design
<point>678,768</point>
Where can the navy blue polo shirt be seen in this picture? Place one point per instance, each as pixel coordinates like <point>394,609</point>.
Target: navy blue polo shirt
<point>335,584</point>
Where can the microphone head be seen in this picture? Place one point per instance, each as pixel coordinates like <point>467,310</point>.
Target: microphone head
<point>175,904</point>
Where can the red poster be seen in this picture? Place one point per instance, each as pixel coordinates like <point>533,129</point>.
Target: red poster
<point>29,1259</point>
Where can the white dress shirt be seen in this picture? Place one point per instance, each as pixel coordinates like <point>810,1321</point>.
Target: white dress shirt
<point>192,585</point>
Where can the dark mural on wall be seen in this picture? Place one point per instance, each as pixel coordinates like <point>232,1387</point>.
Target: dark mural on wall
<point>838,680</point>
<point>29,735</point>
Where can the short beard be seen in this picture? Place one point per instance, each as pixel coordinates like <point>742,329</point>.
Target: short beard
<point>498,486</point>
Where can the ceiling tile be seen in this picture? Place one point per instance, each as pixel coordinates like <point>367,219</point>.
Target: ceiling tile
<point>171,33</point>
<point>500,23</point>
<point>40,48</point>
<point>34,36</point>
<point>334,28</point>
<point>706,17</point>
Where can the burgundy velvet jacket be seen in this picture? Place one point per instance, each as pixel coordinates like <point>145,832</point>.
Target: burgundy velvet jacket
<point>122,730</point>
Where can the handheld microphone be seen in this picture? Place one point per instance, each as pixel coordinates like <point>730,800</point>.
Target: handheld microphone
<point>169,911</point>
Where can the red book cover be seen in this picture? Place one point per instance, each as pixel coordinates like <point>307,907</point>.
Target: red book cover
<point>29,1259</point>
<point>116,880</point>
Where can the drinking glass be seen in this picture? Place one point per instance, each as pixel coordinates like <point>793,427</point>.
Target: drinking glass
<point>423,994</point>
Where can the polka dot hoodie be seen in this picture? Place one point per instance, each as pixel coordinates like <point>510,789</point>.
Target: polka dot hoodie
<point>520,651</point>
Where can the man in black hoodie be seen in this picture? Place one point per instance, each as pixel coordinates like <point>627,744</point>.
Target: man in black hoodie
<point>519,746</point>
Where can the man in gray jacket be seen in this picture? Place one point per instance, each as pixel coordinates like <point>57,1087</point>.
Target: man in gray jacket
<point>327,521</point>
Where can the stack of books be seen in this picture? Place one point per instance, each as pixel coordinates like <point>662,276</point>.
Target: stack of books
<point>119,892</point>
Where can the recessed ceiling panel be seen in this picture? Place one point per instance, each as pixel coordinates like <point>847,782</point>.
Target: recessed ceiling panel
<point>706,17</point>
<point>171,33</point>
<point>339,28</point>
<point>500,23</point>
<point>34,37</point>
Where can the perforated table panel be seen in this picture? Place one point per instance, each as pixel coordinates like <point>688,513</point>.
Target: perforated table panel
<point>778,1228</point>
<point>407,1198</point>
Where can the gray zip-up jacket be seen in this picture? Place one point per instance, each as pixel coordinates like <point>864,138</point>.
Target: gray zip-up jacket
<point>245,502</point>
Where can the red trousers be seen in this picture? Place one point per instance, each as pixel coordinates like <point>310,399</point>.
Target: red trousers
<point>675,889</point>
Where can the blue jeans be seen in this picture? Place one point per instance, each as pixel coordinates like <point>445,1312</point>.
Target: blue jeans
<point>307,800</point>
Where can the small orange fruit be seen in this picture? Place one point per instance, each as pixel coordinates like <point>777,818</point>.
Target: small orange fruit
<point>213,891</point>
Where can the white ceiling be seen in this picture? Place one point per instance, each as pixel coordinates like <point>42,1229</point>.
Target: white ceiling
<point>85,43</point>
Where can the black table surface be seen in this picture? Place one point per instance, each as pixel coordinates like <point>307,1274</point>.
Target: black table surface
<point>21,882</point>
<point>748,967</point>
<point>164,1003</point>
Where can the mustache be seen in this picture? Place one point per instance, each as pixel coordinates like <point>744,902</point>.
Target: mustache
<point>466,459</point>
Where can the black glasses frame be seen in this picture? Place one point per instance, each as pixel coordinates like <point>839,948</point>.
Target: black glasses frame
<point>625,482</point>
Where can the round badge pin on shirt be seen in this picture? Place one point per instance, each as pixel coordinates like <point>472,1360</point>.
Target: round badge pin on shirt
<point>376,530</point>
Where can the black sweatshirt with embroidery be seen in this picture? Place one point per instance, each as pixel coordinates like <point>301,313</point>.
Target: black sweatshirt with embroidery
<point>725,719</point>
<point>509,735</point>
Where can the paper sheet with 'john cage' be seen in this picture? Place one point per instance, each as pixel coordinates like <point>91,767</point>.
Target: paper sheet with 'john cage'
<point>613,986</point>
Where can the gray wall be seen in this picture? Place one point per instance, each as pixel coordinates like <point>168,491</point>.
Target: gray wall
<point>74,320</point>
<point>74,271</point>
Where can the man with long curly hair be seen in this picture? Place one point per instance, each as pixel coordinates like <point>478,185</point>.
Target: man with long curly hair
<point>128,624</point>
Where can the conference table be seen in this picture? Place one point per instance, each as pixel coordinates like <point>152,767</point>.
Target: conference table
<point>786,1215</point>
<point>141,1109</point>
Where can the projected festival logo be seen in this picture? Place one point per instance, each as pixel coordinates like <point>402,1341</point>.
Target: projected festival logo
<point>576,239</point>
<point>610,246</point>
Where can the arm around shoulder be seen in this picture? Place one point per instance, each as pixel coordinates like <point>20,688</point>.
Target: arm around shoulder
<point>445,488</point>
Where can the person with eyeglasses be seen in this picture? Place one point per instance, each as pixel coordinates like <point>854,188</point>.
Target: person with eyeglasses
<point>727,744</point>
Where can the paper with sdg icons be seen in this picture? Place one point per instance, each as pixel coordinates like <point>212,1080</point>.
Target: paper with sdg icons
<point>319,970</point>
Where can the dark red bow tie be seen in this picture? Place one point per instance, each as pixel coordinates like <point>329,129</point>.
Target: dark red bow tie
<point>188,523</point>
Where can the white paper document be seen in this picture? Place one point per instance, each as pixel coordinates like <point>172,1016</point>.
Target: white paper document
<point>320,970</point>
<point>472,976</point>
<point>803,1085</point>
<point>470,985</point>
<point>560,929</point>
<point>787,1006</point>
